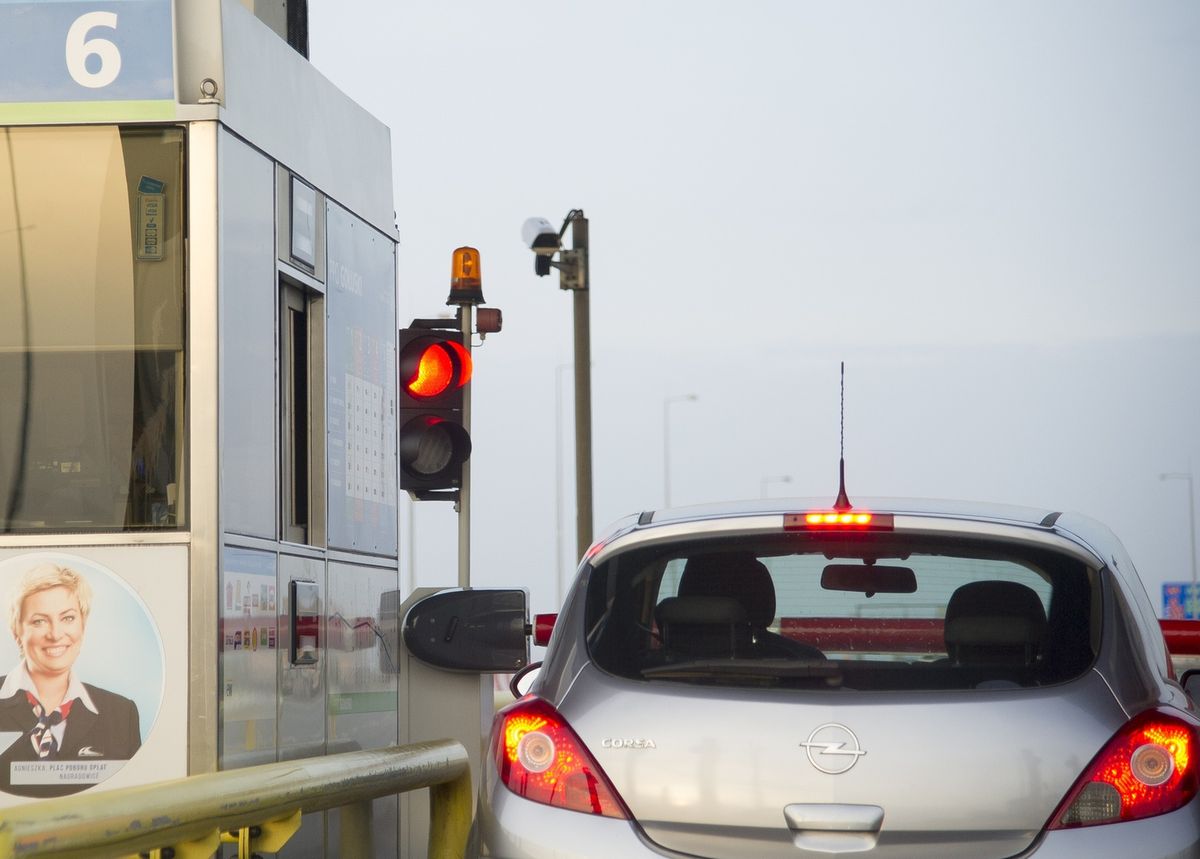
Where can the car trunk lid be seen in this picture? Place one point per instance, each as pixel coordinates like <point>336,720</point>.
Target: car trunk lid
<point>723,773</point>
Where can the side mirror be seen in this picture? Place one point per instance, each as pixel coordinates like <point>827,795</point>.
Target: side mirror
<point>524,679</point>
<point>1190,681</point>
<point>479,631</point>
<point>869,579</point>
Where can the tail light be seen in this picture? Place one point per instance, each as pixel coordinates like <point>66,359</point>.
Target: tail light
<point>540,758</point>
<point>1148,768</point>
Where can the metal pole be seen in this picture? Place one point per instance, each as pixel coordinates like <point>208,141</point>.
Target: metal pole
<point>583,392</point>
<point>558,481</point>
<point>412,547</point>
<point>1192,523</point>
<point>666,453</point>
<point>1192,604</point>
<point>466,316</point>
<point>667,445</point>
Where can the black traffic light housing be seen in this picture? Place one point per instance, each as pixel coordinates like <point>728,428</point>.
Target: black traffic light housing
<point>434,368</point>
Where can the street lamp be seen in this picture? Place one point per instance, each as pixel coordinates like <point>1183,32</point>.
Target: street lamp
<point>685,398</point>
<point>540,237</point>
<point>783,478</point>
<point>1187,475</point>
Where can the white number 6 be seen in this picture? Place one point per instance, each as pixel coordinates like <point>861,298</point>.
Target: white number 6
<point>80,47</point>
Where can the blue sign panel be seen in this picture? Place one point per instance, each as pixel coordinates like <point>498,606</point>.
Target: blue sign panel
<point>86,60</point>
<point>1181,601</point>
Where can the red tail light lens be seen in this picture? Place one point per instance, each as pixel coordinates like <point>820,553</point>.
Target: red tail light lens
<point>1148,768</point>
<point>540,758</point>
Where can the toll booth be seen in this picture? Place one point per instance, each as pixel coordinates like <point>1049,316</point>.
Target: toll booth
<point>198,372</point>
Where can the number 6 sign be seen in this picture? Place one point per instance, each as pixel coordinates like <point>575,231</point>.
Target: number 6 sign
<point>80,47</point>
<point>86,60</point>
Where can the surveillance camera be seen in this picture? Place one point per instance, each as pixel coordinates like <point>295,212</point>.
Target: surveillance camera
<point>540,236</point>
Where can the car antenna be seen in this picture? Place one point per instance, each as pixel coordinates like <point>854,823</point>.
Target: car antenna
<point>843,501</point>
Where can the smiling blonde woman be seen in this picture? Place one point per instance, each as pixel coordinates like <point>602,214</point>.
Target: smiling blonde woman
<point>60,718</point>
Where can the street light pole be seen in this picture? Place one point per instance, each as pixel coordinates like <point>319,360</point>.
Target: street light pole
<point>667,401</point>
<point>1187,475</point>
<point>783,478</point>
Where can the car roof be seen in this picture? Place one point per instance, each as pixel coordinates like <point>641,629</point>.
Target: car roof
<point>1032,523</point>
<point>957,509</point>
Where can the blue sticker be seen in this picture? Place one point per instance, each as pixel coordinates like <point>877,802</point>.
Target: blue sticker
<point>146,185</point>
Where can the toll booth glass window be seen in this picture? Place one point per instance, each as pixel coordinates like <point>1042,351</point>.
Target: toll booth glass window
<point>91,329</point>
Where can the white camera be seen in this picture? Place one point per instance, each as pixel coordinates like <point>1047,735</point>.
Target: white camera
<point>540,236</point>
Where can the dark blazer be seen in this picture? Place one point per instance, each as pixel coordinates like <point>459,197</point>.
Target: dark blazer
<point>113,734</point>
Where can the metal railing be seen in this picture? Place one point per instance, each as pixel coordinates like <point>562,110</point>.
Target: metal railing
<point>258,807</point>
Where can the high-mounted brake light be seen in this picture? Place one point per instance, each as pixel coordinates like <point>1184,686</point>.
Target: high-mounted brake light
<point>540,758</point>
<point>1148,768</point>
<point>838,520</point>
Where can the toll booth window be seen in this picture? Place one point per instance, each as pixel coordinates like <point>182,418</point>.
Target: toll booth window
<point>302,395</point>
<point>92,329</point>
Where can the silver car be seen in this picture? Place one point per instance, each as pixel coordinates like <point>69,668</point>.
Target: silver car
<point>897,679</point>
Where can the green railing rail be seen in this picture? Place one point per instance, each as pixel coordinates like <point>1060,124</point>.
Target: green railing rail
<point>257,807</point>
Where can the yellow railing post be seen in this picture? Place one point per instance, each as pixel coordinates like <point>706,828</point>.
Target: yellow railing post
<point>450,817</point>
<point>354,823</point>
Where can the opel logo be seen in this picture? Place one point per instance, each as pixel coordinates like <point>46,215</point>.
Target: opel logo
<point>832,748</point>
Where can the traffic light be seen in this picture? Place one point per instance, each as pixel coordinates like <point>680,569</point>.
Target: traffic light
<point>434,369</point>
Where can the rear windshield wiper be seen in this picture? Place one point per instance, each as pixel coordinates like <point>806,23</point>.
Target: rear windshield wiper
<point>764,669</point>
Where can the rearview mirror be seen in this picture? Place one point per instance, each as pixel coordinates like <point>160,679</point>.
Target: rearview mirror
<point>869,579</point>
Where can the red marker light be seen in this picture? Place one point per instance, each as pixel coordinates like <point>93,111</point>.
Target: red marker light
<point>543,628</point>
<point>838,520</point>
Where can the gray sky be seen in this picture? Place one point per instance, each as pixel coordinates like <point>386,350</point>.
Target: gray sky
<point>990,211</point>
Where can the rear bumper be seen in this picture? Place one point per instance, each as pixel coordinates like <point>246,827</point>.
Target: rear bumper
<point>509,827</point>
<point>1168,836</point>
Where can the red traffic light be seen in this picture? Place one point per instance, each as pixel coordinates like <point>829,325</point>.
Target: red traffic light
<point>434,371</point>
<point>432,450</point>
<point>431,366</point>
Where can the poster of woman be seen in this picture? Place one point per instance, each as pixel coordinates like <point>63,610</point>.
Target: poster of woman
<point>69,714</point>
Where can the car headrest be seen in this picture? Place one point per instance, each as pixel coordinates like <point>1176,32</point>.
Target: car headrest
<point>735,575</point>
<point>700,611</point>
<point>992,617</point>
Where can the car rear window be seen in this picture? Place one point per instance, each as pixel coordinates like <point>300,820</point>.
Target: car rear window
<point>876,612</point>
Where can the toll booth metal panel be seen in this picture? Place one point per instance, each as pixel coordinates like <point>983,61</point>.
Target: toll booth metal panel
<point>361,676</point>
<point>249,462</point>
<point>361,331</point>
<point>249,641</point>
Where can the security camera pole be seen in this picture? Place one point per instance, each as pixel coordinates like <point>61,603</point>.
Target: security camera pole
<point>578,282</point>
<point>572,265</point>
